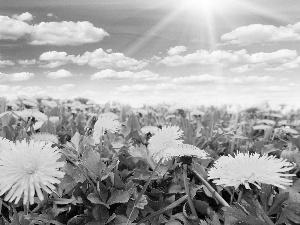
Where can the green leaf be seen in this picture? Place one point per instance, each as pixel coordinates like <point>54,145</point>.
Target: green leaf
<point>92,161</point>
<point>101,213</point>
<point>265,194</point>
<point>201,206</point>
<point>277,203</point>
<point>292,212</point>
<point>74,172</point>
<point>118,196</point>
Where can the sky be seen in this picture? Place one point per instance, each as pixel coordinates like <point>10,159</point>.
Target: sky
<point>150,51</point>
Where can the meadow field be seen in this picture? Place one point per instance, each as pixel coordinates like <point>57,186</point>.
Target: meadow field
<point>78,162</point>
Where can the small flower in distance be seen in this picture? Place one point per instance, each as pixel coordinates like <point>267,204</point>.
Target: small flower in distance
<point>26,113</point>
<point>54,119</point>
<point>45,137</point>
<point>105,124</point>
<point>251,169</point>
<point>26,168</point>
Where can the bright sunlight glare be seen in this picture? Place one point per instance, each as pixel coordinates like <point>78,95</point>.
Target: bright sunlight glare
<point>207,6</point>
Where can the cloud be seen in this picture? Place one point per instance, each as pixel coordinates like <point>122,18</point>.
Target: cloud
<point>61,88</point>
<point>275,89</point>
<point>50,15</point>
<point>98,59</point>
<point>50,33</point>
<point>204,79</point>
<point>258,33</point>
<point>201,57</point>
<point>233,58</point>
<point>59,74</point>
<point>23,17</point>
<point>176,50</point>
<point>250,80</point>
<point>144,75</point>
<point>27,62</point>
<point>4,63</point>
<point>13,29</point>
<point>134,88</point>
<point>242,69</point>
<point>14,77</point>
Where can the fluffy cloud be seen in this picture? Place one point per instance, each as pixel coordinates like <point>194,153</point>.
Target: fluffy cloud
<point>27,62</point>
<point>14,77</point>
<point>258,33</point>
<point>51,33</point>
<point>23,17</point>
<point>176,50</point>
<point>233,58</point>
<point>250,80</point>
<point>4,63</point>
<point>12,28</point>
<point>59,74</point>
<point>205,57</point>
<point>206,78</point>
<point>98,59</point>
<point>144,75</point>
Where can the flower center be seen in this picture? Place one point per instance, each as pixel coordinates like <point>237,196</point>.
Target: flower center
<point>30,168</point>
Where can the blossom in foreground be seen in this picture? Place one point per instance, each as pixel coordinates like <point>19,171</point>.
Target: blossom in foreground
<point>250,169</point>
<point>163,139</point>
<point>105,124</point>
<point>45,137</point>
<point>5,144</point>
<point>27,168</point>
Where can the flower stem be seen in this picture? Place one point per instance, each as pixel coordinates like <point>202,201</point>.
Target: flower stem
<point>187,191</point>
<point>240,195</point>
<point>211,189</point>
<point>144,188</point>
<point>171,206</point>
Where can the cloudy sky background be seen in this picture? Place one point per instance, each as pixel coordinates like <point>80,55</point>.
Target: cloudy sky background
<point>145,51</point>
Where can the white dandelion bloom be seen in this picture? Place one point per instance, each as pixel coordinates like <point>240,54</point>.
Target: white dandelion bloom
<point>54,119</point>
<point>44,137</point>
<point>110,115</point>
<point>27,168</point>
<point>165,138</point>
<point>5,144</point>
<point>250,168</point>
<point>105,124</point>
<point>26,113</point>
<point>149,129</point>
<point>181,150</point>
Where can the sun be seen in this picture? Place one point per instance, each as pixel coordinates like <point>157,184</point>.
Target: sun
<point>206,6</point>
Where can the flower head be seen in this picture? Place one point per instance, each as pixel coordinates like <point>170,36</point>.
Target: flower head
<point>54,119</point>
<point>105,124</point>
<point>182,150</point>
<point>250,168</point>
<point>45,137</point>
<point>26,113</point>
<point>26,168</point>
<point>165,138</point>
<point>5,144</point>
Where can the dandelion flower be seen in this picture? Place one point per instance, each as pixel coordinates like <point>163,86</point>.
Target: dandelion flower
<point>105,124</point>
<point>27,113</point>
<point>54,119</point>
<point>5,144</point>
<point>149,129</point>
<point>27,168</point>
<point>181,150</point>
<point>45,137</point>
<point>165,138</point>
<point>250,168</point>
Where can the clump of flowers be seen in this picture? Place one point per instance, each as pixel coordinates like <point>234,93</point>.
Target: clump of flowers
<point>51,138</point>
<point>251,169</point>
<point>27,113</point>
<point>28,167</point>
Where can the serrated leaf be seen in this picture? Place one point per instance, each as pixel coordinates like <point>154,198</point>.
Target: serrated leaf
<point>92,161</point>
<point>118,196</point>
<point>73,172</point>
